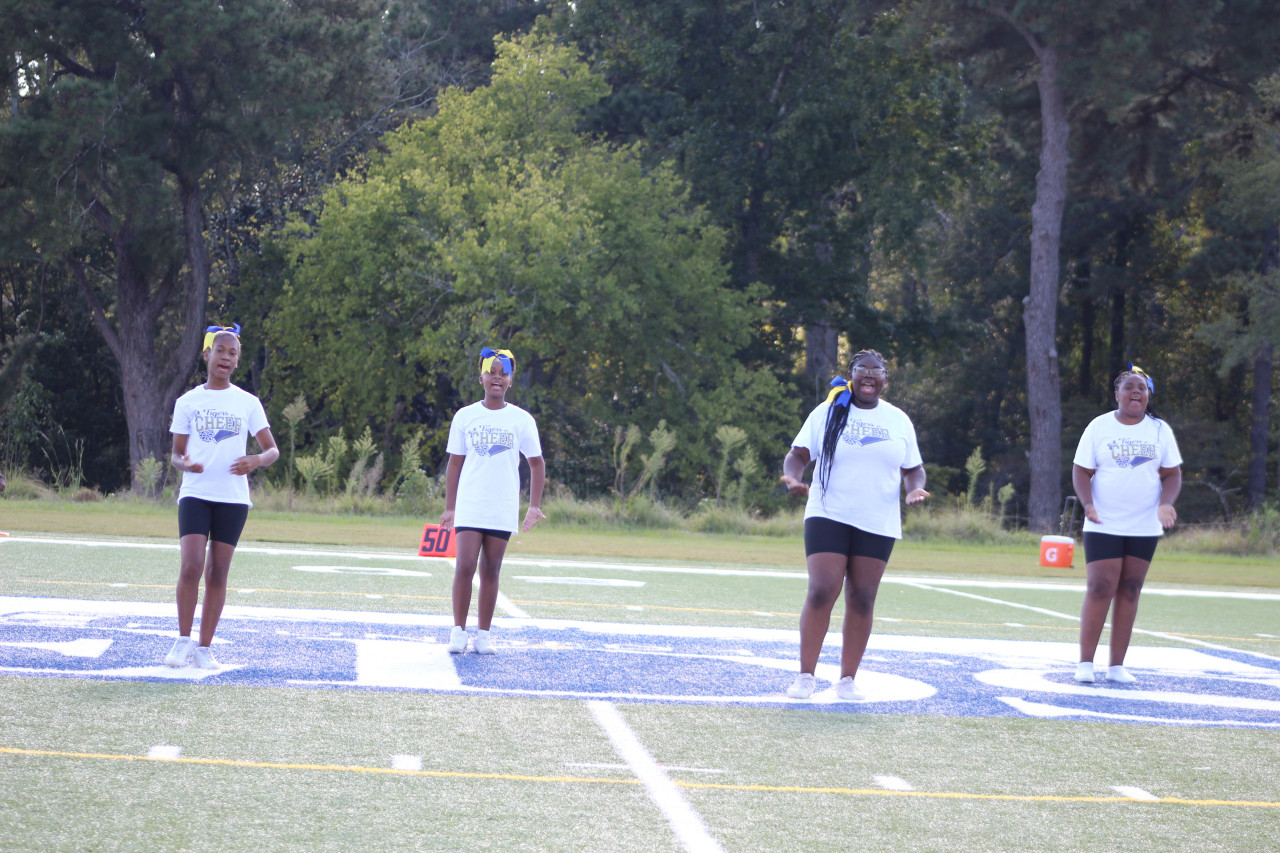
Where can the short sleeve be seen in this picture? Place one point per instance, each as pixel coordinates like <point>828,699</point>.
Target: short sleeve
<point>1085,456</point>
<point>1170,456</point>
<point>912,459</point>
<point>530,443</point>
<point>257,418</point>
<point>181,423</point>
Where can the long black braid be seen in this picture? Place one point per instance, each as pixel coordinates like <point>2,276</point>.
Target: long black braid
<point>837,418</point>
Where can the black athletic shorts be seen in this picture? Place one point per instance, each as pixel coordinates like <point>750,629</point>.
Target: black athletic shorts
<point>824,536</point>
<point>218,521</point>
<point>505,535</point>
<point>1105,546</point>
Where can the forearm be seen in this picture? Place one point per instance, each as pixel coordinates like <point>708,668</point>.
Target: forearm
<point>537,478</point>
<point>914,479</point>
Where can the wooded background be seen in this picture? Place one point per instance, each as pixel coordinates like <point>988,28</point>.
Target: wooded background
<point>680,216</point>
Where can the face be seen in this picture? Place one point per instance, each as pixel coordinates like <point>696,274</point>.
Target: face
<point>495,381</point>
<point>223,357</point>
<point>1132,397</point>
<point>869,379</point>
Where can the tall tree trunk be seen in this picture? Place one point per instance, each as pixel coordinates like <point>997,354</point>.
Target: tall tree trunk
<point>1260,414</point>
<point>821,351</point>
<point>1040,307</point>
<point>1084,377</point>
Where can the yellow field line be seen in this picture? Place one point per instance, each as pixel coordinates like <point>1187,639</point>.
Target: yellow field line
<point>662,607</point>
<point>515,777</point>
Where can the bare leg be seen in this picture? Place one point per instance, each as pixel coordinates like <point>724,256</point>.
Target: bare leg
<point>191,550</point>
<point>491,554</point>
<point>1133,573</point>
<point>468,545</point>
<point>859,603</point>
<point>826,577</point>
<point>215,588</point>
<point>1103,578</point>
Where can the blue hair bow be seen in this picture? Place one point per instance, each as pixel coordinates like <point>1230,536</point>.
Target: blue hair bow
<point>1151,385</point>
<point>841,391</point>
<point>211,332</point>
<point>504,356</point>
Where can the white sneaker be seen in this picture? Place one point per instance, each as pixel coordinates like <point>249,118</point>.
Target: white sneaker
<point>849,691</point>
<point>1119,675</point>
<point>1084,671</point>
<point>482,644</point>
<point>203,658</point>
<point>457,640</point>
<point>180,654</point>
<point>803,686</point>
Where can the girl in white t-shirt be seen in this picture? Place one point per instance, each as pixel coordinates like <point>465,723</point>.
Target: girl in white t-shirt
<point>482,492</point>
<point>865,449</point>
<point>211,428</point>
<point>1127,474</point>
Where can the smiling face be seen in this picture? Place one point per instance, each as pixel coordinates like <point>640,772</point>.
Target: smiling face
<point>869,379</point>
<point>222,358</point>
<point>1132,396</point>
<point>496,382</point>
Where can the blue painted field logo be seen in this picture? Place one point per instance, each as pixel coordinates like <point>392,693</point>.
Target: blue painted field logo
<point>641,663</point>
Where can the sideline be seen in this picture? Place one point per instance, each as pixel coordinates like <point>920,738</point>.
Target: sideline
<point>1059,586</point>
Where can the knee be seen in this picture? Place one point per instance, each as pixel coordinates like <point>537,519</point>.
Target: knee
<point>822,595</point>
<point>860,602</point>
<point>1129,590</point>
<point>190,573</point>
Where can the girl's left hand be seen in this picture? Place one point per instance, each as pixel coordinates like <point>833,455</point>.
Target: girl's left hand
<point>244,465</point>
<point>1167,514</point>
<point>532,517</point>
<point>916,496</point>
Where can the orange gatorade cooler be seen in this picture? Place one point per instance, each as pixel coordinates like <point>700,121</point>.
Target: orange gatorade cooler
<point>1057,551</point>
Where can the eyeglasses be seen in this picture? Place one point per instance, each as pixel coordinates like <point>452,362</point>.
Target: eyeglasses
<point>877,372</point>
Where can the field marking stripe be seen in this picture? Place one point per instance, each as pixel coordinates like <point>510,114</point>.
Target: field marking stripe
<point>660,607</point>
<point>688,826</point>
<point>1184,638</point>
<point>407,554</point>
<point>786,789</point>
<point>341,768</point>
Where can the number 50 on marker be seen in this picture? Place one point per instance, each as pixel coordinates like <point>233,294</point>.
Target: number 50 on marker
<point>437,541</point>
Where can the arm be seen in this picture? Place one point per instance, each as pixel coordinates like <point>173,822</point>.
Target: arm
<point>1082,481</point>
<point>537,476</point>
<point>451,475</point>
<point>913,479</point>
<point>270,453</point>
<point>179,458</point>
<point>797,459</point>
<point>1170,486</point>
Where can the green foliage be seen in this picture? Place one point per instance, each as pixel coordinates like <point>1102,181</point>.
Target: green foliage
<point>974,466</point>
<point>730,439</point>
<point>623,442</point>
<point>661,442</point>
<point>293,415</point>
<point>148,473</point>
<point>313,470</point>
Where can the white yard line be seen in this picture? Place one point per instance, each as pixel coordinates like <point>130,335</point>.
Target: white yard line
<point>408,556</point>
<point>691,832</point>
<point>1072,617</point>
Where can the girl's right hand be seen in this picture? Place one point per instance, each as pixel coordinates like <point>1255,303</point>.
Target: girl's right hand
<point>188,465</point>
<point>1091,514</point>
<point>446,519</point>
<point>794,486</point>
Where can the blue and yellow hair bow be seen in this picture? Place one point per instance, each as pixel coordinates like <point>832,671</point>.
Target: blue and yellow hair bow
<point>504,356</point>
<point>841,391</point>
<point>1151,385</point>
<point>212,332</point>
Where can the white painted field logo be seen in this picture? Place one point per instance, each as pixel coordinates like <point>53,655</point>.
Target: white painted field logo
<point>642,663</point>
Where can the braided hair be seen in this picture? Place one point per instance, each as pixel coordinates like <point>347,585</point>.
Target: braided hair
<point>837,418</point>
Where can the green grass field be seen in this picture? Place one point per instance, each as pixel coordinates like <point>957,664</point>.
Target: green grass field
<point>284,768</point>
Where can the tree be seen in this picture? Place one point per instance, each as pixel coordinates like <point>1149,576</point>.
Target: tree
<point>497,222</point>
<point>127,123</point>
<point>808,133</point>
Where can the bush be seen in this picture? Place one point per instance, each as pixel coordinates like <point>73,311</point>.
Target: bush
<point>1257,534</point>
<point>958,524</point>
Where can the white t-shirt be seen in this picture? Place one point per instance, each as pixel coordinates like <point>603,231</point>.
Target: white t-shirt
<point>217,425</point>
<point>1126,459</point>
<point>492,441</point>
<point>866,474</point>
